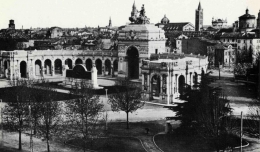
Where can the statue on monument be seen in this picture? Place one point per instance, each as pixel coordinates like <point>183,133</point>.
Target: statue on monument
<point>142,19</point>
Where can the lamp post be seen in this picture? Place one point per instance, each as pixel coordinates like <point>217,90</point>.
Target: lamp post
<point>1,126</point>
<point>31,139</point>
<point>106,92</point>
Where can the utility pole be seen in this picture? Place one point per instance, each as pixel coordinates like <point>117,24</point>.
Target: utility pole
<point>241,132</point>
<point>106,92</point>
<point>219,70</point>
<point>31,139</point>
<point>1,126</point>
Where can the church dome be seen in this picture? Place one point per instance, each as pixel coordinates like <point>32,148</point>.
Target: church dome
<point>165,20</point>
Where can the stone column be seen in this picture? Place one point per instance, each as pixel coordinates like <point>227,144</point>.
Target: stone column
<point>191,79</point>
<point>112,71</point>
<point>168,89</point>
<point>63,66</point>
<point>52,68</point>
<point>161,85</point>
<point>11,68</point>
<point>177,85</point>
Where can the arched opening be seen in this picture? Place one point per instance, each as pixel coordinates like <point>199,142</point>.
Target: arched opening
<point>108,67</point>
<point>6,68</point>
<point>133,63</point>
<point>195,78</point>
<point>156,85</point>
<point>68,62</point>
<point>47,66</point>
<point>202,72</point>
<point>38,67</point>
<point>99,66</point>
<point>115,65</point>
<point>89,64</point>
<point>23,71</point>
<point>58,66</point>
<point>78,61</point>
<point>181,84</point>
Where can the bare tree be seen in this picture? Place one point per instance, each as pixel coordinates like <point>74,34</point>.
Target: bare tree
<point>127,98</point>
<point>16,110</point>
<point>50,111</point>
<point>84,112</point>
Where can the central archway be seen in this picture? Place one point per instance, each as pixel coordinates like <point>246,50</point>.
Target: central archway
<point>156,85</point>
<point>23,71</point>
<point>181,84</point>
<point>99,66</point>
<point>58,66</point>
<point>38,67</point>
<point>89,64</point>
<point>133,62</point>
<point>108,66</point>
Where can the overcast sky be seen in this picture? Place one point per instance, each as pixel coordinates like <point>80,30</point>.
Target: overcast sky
<point>78,13</point>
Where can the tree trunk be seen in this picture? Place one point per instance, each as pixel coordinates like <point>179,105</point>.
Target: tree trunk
<point>20,139</point>
<point>47,139</point>
<point>127,123</point>
<point>48,145</point>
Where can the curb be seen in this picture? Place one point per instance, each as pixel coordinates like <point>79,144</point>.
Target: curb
<point>135,138</point>
<point>108,137</point>
<point>154,141</point>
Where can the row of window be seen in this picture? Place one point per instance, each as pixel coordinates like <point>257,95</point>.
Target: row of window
<point>229,53</point>
<point>241,41</point>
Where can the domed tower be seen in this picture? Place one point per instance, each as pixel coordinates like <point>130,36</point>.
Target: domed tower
<point>258,20</point>
<point>165,20</point>
<point>246,22</point>
<point>199,18</point>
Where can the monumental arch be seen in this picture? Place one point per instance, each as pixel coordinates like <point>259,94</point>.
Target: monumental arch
<point>136,42</point>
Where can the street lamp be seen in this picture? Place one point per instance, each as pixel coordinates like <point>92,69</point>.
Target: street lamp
<point>106,92</point>
<point>1,125</point>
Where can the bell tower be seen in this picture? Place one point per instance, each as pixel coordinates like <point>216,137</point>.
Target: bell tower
<point>258,20</point>
<point>199,18</point>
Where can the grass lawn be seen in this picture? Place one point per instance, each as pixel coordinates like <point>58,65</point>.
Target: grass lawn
<point>60,96</point>
<point>192,143</point>
<point>135,128</point>
<point>112,144</point>
<point>177,143</point>
<point>111,89</point>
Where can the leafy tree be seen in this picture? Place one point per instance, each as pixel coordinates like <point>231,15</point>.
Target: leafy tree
<point>204,113</point>
<point>16,110</point>
<point>83,112</point>
<point>127,98</point>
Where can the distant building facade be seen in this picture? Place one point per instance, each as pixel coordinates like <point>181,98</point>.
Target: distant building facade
<point>219,23</point>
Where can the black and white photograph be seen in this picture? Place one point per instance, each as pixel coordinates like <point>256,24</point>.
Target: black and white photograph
<point>130,76</point>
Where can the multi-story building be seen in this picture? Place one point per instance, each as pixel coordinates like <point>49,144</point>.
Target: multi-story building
<point>250,44</point>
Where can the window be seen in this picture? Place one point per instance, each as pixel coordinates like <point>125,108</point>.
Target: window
<point>251,41</point>
<point>156,51</point>
<point>244,41</point>
<point>238,41</point>
<point>226,60</point>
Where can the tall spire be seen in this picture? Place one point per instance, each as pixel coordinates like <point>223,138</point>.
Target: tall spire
<point>134,5</point>
<point>199,7</point>
<point>110,22</point>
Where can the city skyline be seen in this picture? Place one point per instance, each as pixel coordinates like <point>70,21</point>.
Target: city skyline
<point>81,13</point>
